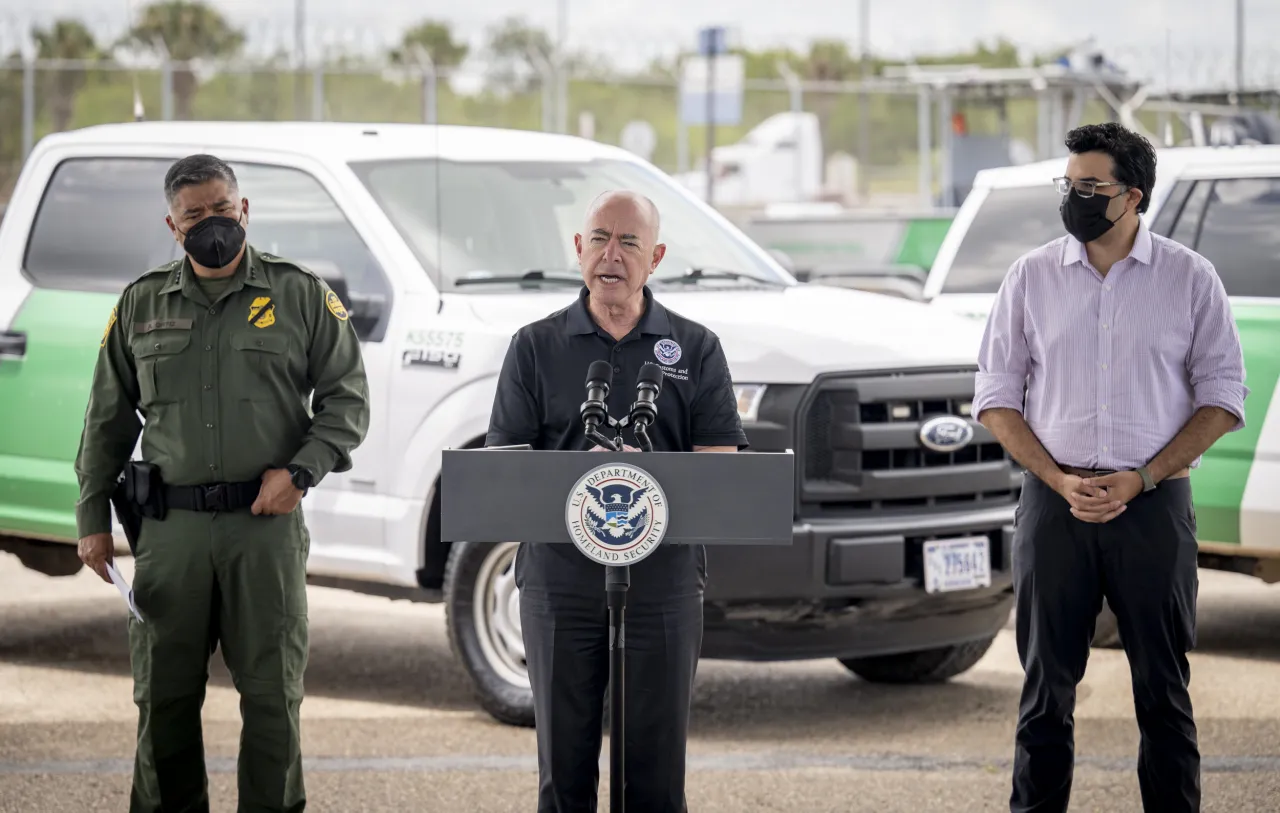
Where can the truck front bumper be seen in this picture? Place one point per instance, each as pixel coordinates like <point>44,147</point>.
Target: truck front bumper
<point>853,588</point>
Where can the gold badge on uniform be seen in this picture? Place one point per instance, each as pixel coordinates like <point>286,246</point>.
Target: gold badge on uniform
<point>335,306</point>
<point>110,321</point>
<point>262,313</point>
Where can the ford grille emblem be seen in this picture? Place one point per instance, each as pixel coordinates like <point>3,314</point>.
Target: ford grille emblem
<point>945,434</point>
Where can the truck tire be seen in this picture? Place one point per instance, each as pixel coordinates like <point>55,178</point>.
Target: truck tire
<point>54,559</point>
<point>1106,630</point>
<point>482,614</point>
<point>925,666</point>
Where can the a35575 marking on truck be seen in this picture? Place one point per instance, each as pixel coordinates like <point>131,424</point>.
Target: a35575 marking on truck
<point>433,348</point>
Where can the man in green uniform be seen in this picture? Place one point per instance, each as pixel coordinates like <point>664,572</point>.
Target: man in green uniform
<point>219,352</point>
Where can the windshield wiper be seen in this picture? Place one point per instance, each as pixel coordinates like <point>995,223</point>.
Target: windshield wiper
<point>534,275</point>
<point>693,275</point>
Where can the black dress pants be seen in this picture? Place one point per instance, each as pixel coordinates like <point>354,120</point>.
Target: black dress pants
<point>566,636</point>
<point>1144,563</point>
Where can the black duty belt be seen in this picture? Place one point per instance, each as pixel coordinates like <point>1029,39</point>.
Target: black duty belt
<point>212,497</point>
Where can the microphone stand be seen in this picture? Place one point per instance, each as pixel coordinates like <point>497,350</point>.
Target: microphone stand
<point>617,581</point>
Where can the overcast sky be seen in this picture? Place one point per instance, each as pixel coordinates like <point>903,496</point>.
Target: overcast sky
<point>1198,30</point>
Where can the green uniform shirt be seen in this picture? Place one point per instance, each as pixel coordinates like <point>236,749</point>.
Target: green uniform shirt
<point>223,385</point>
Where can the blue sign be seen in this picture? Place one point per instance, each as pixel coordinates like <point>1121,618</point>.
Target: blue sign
<point>711,41</point>
<point>726,90</point>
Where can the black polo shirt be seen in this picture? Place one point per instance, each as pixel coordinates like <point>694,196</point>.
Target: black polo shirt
<point>540,393</point>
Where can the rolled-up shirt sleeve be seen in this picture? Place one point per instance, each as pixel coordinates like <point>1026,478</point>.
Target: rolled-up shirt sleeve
<point>1004,358</point>
<point>1215,362</point>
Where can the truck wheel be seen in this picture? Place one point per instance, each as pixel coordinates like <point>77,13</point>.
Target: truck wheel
<point>925,666</point>
<point>482,614</point>
<point>54,559</point>
<point>1106,630</point>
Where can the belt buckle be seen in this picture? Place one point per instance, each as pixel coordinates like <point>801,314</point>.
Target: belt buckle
<point>214,497</point>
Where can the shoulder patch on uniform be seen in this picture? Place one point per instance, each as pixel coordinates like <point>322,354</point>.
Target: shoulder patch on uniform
<point>111,320</point>
<point>335,306</point>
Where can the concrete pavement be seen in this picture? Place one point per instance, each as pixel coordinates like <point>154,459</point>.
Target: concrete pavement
<point>390,725</point>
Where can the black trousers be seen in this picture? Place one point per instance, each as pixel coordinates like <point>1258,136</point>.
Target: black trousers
<point>1144,563</point>
<point>567,650</point>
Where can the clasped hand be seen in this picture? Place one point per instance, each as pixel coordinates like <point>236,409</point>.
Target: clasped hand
<point>1100,499</point>
<point>278,494</point>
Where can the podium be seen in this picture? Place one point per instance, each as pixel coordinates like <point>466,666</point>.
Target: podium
<point>617,508</point>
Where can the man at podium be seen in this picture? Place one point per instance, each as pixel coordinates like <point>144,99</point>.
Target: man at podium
<point>563,609</point>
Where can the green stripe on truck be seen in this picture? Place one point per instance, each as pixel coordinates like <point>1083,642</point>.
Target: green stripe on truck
<point>922,240</point>
<point>44,396</point>
<point>1219,482</point>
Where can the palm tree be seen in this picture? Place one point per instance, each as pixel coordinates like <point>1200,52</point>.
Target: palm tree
<point>67,39</point>
<point>187,30</point>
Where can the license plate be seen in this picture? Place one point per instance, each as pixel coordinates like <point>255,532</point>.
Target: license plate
<point>957,564</point>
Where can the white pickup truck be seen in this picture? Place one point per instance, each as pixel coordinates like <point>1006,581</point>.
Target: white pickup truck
<point>422,230</point>
<point>1223,202</point>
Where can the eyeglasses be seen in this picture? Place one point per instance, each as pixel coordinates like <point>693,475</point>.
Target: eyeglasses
<point>1084,189</point>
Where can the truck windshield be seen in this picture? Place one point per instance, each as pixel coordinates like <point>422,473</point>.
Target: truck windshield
<point>1009,223</point>
<point>502,218</point>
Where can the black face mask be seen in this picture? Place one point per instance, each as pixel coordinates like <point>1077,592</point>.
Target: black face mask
<point>1086,218</point>
<point>214,241</point>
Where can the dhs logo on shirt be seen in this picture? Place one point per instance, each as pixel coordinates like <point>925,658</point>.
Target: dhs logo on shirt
<point>667,351</point>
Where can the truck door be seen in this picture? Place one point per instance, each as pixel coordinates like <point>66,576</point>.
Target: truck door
<point>1231,220</point>
<point>70,245</point>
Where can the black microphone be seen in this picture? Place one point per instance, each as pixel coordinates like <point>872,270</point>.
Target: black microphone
<point>645,410</point>
<point>594,411</point>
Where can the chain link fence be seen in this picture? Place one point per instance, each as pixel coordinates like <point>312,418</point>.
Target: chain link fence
<point>884,123</point>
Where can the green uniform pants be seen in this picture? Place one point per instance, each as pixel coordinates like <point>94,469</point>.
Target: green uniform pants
<point>237,581</point>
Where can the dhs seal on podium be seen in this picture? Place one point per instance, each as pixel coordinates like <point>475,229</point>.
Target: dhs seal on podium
<point>616,514</point>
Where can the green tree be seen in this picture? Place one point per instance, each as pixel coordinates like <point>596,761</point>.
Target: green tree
<point>188,30</point>
<point>1004,54</point>
<point>10,125</point>
<point>764,64</point>
<point>436,38</point>
<point>70,40</point>
<point>519,53</point>
<point>830,61</point>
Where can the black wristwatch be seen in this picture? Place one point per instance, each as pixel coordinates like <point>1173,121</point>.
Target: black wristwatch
<point>302,479</point>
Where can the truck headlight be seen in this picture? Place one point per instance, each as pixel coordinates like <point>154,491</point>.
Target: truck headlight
<point>748,397</point>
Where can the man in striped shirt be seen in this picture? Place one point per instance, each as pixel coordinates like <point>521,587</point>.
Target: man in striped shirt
<point>1110,363</point>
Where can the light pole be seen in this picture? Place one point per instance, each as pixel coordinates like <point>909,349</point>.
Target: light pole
<point>1239,46</point>
<point>864,103</point>
<point>300,50</point>
<point>562,78</point>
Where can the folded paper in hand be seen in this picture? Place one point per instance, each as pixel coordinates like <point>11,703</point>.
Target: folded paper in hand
<point>126,591</point>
